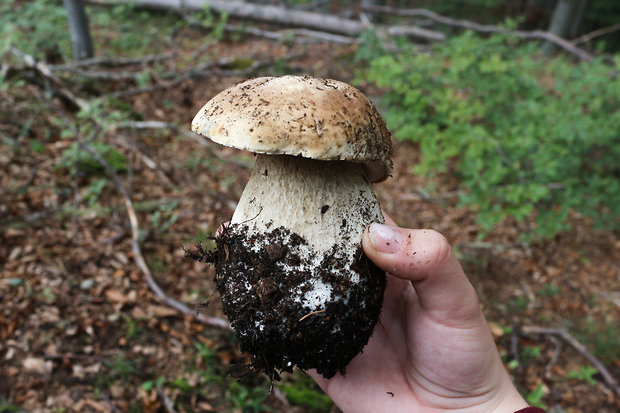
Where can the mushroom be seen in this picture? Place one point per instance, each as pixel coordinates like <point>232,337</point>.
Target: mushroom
<point>290,268</point>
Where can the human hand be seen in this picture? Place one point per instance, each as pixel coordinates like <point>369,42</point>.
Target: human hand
<point>432,350</point>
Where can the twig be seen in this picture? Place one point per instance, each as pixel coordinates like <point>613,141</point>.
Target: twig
<point>581,349</point>
<point>196,72</point>
<point>150,163</point>
<point>137,253</point>
<point>112,62</point>
<point>485,28</point>
<point>72,356</point>
<point>596,33</point>
<point>103,75</point>
<point>309,314</point>
<point>156,124</point>
<point>45,71</point>
<point>556,354</point>
<point>168,404</point>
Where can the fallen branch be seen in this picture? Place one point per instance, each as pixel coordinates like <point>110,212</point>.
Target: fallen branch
<point>112,61</point>
<point>150,163</point>
<point>156,124</point>
<point>485,28</point>
<point>287,34</point>
<point>281,15</point>
<point>581,349</point>
<point>596,33</point>
<point>192,73</point>
<point>137,253</point>
<point>45,71</point>
<point>281,36</point>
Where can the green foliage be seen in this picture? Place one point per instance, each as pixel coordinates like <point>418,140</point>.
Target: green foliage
<point>212,371</point>
<point>40,28</point>
<point>535,397</point>
<point>303,391</point>
<point>134,31</point>
<point>528,136</point>
<point>246,398</point>
<point>6,407</point>
<point>153,384</point>
<point>37,27</point>
<point>164,217</point>
<point>85,162</point>
<point>584,373</point>
<point>549,290</point>
<point>598,14</point>
<point>36,146</point>
<point>94,189</point>
<point>215,22</point>
<point>121,368</point>
<point>530,353</point>
<point>602,338</point>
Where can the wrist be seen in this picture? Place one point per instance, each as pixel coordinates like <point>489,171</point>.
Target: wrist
<point>511,401</point>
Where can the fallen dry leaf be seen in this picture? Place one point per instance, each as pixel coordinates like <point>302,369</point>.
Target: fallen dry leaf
<point>161,311</point>
<point>37,365</point>
<point>117,296</point>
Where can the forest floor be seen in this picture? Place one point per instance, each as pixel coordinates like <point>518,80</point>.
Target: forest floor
<point>80,328</point>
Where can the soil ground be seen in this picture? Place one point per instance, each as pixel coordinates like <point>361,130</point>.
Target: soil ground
<point>80,329</point>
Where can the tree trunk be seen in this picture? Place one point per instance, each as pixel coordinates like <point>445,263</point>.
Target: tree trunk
<point>80,33</point>
<point>567,17</point>
<point>565,21</point>
<point>577,18</point>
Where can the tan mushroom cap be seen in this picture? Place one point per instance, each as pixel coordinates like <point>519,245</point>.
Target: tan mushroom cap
<point>299,115</point>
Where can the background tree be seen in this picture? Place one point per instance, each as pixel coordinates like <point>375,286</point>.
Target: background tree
<point>567,17</point>
<point>80,32</point>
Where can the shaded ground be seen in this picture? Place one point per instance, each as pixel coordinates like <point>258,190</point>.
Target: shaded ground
<point>81,331</point>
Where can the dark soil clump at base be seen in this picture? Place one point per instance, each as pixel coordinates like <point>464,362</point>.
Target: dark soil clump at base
<point>291,308</point>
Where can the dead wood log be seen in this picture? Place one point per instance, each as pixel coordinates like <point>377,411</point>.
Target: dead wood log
<point>486,28</point>
<point>282,16</point>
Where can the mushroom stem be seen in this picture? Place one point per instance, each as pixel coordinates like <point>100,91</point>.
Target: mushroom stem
<point>291,270</point>
<point>324,202</point>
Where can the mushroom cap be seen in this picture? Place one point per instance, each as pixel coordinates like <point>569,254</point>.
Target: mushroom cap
<point>302,116</point>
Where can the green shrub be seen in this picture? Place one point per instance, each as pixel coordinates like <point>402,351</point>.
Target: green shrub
<point>530,137</point>
<point>37,27</point>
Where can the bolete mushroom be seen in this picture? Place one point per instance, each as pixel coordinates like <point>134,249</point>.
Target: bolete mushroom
<point>290,268</point>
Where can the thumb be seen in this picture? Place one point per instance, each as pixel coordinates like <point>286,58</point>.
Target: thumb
<point>424,257</point>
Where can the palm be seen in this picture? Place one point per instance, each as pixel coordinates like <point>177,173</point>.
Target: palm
<point>416,363</point>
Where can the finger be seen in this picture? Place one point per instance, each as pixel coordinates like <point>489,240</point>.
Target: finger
<point>388,219</point>
<point>425,258</point>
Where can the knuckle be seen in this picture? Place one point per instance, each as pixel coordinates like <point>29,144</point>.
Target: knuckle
<point>439,249</point>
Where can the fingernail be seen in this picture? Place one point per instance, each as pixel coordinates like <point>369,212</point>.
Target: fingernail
<point>385,239</point>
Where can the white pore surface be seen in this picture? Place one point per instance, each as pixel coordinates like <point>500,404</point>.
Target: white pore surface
<point>328,203</point>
